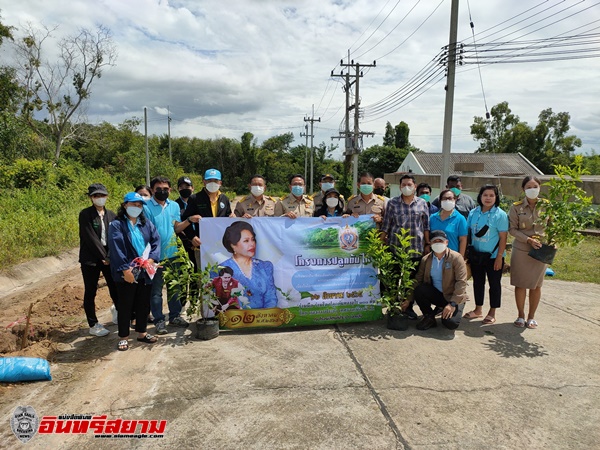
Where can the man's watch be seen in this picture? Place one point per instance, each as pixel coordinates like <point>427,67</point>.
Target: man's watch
<point>188,219</point>
<point>453,304</point>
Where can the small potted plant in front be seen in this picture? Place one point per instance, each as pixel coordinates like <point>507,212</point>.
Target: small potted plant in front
<point>196,289</point>
<point>563,211</point>
<point>395,266</point>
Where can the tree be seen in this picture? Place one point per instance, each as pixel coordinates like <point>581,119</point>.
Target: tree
<point>545,145</point>
<point>379,160</point>
<point>496,135</point>
<point>389,139</point>
<point>59,86</point>
<point>555,147</point>
<point>251,155</point>
<point>402,132</point>
<point>591,163</point>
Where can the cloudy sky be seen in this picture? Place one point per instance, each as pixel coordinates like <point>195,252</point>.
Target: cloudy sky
<point>224,67</point>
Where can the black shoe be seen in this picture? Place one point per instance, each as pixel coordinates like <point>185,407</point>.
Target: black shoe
<point>426,323</point>
<point>437,311</point>
<point>411,314</point>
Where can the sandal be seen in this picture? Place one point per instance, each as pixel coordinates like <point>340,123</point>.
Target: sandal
<point>148,339</point>
<point>519,323</point>
<point>472,315</point>
<point>123,345</point>
<point>532,324</point>
<point>489,320</point>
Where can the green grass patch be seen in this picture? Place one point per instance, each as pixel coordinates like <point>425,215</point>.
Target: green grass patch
<point>579,263</point>
<point>42,219</point>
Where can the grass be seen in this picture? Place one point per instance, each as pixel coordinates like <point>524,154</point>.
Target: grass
<point>43,221</point>
<point>579,263</point>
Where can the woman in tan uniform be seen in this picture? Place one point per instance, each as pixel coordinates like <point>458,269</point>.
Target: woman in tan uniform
<point>526,272</point>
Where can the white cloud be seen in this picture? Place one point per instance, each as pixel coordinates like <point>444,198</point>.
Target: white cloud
<point>223,68</point>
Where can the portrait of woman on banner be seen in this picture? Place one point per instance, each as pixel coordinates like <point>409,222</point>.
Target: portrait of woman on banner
<point>255,275</point>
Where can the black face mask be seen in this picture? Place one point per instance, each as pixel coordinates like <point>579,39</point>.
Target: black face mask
<point>185,193</point>
<point>161,194</point>
<point>378,191</point>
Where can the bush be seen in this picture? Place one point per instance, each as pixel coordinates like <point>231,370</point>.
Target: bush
<point>41,218</point>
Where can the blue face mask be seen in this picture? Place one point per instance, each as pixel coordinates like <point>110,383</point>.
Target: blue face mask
<point>133,211</point>
<point>456,191</point>
<point>366,189</point>
<point>297,190</point>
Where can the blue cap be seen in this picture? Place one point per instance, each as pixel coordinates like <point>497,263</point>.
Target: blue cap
<point>133,197</point>
<point>212,174</point>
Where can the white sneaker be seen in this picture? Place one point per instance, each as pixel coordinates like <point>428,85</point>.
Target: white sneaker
<point>98,330</point>
<point>115,314</point>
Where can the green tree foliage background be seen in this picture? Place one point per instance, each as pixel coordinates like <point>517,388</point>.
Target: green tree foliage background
<point>545,145</point>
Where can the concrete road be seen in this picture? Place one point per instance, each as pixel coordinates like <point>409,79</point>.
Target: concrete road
<point>342,387</point>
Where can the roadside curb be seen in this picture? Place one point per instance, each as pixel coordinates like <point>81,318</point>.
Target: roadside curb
<point>35,270</point>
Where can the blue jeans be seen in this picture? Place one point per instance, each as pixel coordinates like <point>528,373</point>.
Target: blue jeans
<point>156,299</point>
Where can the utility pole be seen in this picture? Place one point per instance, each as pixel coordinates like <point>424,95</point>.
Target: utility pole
<point>146,145</point>
<point>305,134</point>
<point>169,133</point>
<point>353,138</point>
<point>448,111</point>
<point>312,121</point>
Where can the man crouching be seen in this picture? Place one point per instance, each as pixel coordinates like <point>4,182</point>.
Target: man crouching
<point>442,283</point>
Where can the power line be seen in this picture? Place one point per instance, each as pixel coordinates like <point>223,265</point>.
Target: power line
<point>391,31</point>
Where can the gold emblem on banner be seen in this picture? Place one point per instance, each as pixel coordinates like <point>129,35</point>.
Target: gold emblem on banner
<point>250,318</point>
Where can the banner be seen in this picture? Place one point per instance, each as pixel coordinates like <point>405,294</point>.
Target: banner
<point>281,272</point>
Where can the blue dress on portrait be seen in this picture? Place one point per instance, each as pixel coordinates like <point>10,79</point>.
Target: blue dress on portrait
<point>260,289</point>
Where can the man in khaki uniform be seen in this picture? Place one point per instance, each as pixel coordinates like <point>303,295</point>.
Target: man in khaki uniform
<point>327,182</point>
<point>256,204</point>
<point>296,204</point>
<point>366,202</point>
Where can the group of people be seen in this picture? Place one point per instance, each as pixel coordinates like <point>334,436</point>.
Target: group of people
<point>452,234</point>
<point>127,247</point>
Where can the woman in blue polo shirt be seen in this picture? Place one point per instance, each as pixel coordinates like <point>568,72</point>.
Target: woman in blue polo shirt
<point>451,222</point>
<point>488,225</point>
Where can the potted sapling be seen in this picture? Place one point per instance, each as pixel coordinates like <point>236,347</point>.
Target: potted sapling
<point>394,266</point>
<point>562,211</point>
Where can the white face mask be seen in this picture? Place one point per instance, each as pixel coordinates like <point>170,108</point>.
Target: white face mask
<point>448,205</point>
<point>212,187</point>
<point>133,211</point>
<point>326,186</point>
<point>439,247</point>
<point>532,193</point>
<point>257,191</point>
<point>146,197</point>
<point>407,191</point>
<point>332,202</point>
<point>99,201</point>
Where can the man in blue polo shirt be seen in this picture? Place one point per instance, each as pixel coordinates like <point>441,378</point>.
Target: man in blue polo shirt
<point>165,215</point>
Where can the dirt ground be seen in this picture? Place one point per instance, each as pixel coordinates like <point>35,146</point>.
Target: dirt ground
<point>57,315</point>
